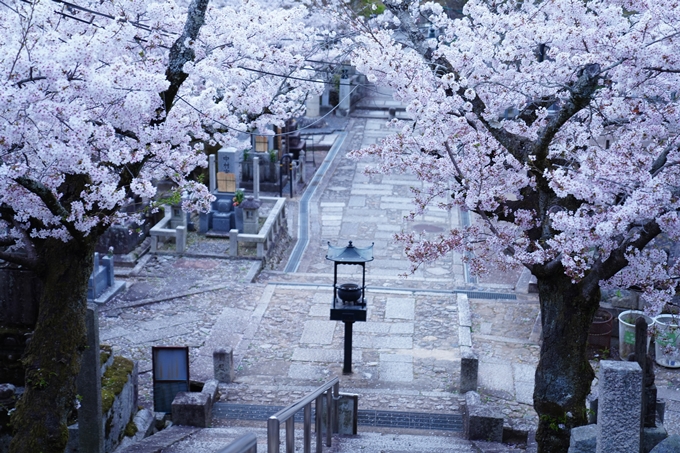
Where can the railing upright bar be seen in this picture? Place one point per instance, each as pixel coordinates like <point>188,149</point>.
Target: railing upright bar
<point>273,426</point>
<point>318,423</point>
<point>287,415</point>
<point>336,398</point>
<point>308,429</point>
<point>290,435</point>
<point>330,406</point>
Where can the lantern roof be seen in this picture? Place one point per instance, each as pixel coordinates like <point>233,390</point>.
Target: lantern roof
<point>350,254</point>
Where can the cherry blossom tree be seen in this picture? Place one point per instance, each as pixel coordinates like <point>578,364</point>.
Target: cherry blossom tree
<point>99,100</point>
<point>556,124</point>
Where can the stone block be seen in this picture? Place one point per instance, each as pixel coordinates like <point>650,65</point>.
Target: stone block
<point>619,407</point>
<point>346,414</point>
<point>192,409</point>
<point>469,367</point>
<point>669,445</point>
<point>591,402</point>
<point>6,391</point>
<point>223,365</point>
<point>583,439</point>
<point>211,388</point>
<point>651,437</point>
<point>221,222</point>
<point>144,420</point>
<point>481,422</point>
<point>661,410</point>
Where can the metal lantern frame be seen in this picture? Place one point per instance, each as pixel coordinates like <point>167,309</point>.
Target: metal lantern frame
<point>352,307</point>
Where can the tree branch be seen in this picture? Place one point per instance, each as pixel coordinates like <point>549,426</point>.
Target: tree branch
<point>514,144</point>
<point>50,202</point>
<point>581,94</point>
<point>19,258</point>
<point>617,259</point>
<point>181,53</point>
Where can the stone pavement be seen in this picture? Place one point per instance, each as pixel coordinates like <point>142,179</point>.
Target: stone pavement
<point>405,358</point>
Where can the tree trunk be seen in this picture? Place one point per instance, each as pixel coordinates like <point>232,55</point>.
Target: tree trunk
<point>564,375</point>
<point>52,358</point>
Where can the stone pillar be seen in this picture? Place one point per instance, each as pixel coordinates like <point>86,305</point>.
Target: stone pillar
<point>312,105</point>
<point>107,261</point>
<point>345,90</point>
<point>619,407</point>
<point>212,174</point>
<point>325,99</point>
<point>181,238</point>
<point>302,161</point>
<point>256,178</point>
<point>223,365</point>
<point>89,384</point>
<point>233,242</point>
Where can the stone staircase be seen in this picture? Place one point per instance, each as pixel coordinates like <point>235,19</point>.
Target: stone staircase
<point>370,439</point>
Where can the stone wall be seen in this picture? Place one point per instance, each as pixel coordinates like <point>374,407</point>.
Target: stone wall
<point>119,404</point>
<point>124,405</point>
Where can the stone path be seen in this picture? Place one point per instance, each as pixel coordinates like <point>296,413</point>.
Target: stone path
<point>405,358</point>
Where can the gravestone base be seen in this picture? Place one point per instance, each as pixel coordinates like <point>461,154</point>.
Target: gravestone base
<point>651,437</point>
<point>583,439</point>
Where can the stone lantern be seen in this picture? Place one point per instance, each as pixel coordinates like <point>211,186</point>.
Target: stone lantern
<point>349,301</point>
<point>251,215</point>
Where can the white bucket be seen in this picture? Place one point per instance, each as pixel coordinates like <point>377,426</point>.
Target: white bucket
<point>627,331</point>
<point>667,335</point>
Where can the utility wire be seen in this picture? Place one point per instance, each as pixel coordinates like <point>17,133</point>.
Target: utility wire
<point>282,134</point>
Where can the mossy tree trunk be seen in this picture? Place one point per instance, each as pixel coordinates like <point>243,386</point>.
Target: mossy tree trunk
<point>52,358</point>
<point>563,375</point>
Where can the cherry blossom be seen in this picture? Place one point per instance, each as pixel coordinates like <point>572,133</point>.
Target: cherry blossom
<point>555,124</point>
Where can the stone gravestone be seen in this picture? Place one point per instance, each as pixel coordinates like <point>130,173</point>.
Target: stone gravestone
<point>223,365</point>
<point>228,161</point>
<point>619,407</point>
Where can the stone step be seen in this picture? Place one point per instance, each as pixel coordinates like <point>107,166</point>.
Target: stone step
<point>184,439</point>
<point>366,418</point>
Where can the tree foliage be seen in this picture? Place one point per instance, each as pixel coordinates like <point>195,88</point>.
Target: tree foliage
<point>98,101</point>
<point>556,123</point>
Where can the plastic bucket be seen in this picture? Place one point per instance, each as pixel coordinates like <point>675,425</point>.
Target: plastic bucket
<point>600,334</point>
<point>627,331</point>
<point>666,340</point>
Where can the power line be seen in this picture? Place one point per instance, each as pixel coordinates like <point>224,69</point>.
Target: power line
<point>252,134</point>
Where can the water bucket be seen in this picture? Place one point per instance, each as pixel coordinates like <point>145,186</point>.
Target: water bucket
<point>666,342</point>
<point>627,331</point>
<point>599,336</point>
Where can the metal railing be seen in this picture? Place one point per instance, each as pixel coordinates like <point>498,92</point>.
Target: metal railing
<point>244,444</point>
<point>287,416</point>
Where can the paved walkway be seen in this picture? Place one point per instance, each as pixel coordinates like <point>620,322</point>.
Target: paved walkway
<point>406,357</point>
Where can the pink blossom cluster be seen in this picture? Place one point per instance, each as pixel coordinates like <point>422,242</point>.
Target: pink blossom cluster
<point>579,100</point>
<point>80,100</point>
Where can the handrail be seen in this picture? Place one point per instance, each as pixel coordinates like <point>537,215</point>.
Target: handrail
<point>287,415</point>
<point>244,444</point>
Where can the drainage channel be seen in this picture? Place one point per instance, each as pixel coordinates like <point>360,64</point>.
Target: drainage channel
<point>472,294</point>
<point>372,418</point>
<point>303,215</point>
